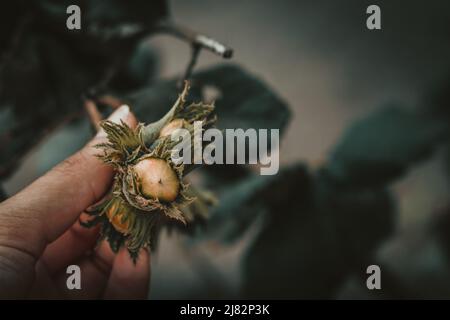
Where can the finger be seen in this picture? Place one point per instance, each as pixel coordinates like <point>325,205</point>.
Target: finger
<point>95,271</point>
<point>43,286</point>
<point>129,280</point>
<point>44,210</point>
<point>70,247</point>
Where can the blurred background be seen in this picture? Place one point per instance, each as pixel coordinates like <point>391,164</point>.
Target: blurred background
<point>319,59</point>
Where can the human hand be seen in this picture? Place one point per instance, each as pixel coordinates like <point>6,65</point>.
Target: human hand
<point>40,234</point>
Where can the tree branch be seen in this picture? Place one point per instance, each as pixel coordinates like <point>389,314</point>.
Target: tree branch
<point>94,115</point>
<point>196,39</point>
<point>192,62</point>
<point>109,101</point>
<point>198,42</point>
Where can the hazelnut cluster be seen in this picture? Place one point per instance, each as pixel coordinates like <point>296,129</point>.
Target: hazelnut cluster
<point>148,189</point>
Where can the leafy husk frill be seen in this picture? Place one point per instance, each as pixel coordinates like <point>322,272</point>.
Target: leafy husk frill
<point>128,217</point>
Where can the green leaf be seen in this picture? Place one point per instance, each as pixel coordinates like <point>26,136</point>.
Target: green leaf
<point>379,149</point>
<point>244,202</point>
<point>244,101</point>
<point>314,232</point>
<point>436,105</point>
<point>313,237</point>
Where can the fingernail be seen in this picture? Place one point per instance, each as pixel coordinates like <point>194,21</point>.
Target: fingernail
<point>120,114</point>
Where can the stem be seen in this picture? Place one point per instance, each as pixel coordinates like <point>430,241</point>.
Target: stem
<point>192,62</point>
<point>198,42</point>
<point>181,32</point>
<point>196,39</point>
<point>94,115</point>
<point>110,101</point>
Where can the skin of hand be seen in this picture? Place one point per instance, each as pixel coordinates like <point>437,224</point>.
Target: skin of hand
<point>40,234</point>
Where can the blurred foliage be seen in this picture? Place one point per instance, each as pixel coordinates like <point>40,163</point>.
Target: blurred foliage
<point>315,231</point>
<point>379,149</point>
<point>437,105</point>
<point>309,244</point>
<point>242,100</point>
<point>3,195</point>
<point>321,226</point>
<point>45,69</point>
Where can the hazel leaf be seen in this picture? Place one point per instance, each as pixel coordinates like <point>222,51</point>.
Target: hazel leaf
<point>380,148</point>
<point>243,100</point>
<point>313,237</point>
<point>243,203</point>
